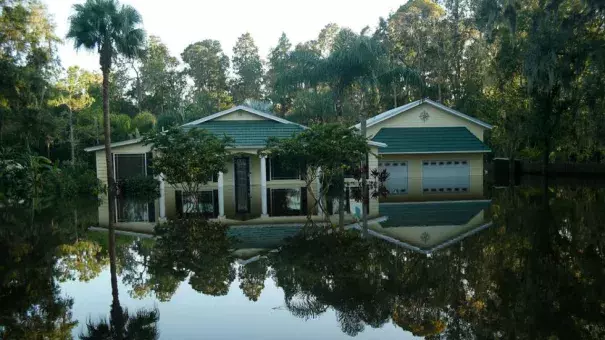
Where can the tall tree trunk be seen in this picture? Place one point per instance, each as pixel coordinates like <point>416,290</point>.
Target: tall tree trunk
<point>394,94</point>
<point>72,141</point>
<point>111,186</point>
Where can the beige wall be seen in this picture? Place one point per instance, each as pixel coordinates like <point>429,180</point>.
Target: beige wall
<point>415,192</point>
<point>240,115</point>
<point>437,118</point>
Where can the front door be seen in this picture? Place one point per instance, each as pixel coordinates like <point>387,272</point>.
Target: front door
<point>242,184</point>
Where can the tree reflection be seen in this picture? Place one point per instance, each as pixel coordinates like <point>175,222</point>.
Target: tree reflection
<point>122,325</point>
<point>30,299</point>
<point>252,278</point>
<point>198,249</point>
<point>537,274</point>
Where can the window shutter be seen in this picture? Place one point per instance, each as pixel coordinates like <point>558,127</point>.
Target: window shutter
<point>303,201</point>
<point>269,202</point>
<point>151,211</point>
<point>215,203</point>
<point>149,165</point>
<point>178,195</point>
<point>268,168</point>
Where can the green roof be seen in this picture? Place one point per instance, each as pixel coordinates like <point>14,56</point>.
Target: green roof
<point>249,133</point>
<point>430,214</point>
<point>429,140</point>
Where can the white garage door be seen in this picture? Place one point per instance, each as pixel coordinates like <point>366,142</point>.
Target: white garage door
<point>397,183</point>
<point>446,176</point>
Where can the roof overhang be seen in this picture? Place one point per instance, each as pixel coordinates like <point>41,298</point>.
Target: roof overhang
<point>114,145</point>
<point>393,112</point>
<point>242,108</point>
<point>432,152</point>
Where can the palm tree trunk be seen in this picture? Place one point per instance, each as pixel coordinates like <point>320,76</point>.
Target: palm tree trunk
<point>110,184</point>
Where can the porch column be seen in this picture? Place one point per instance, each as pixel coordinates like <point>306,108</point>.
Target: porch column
<point>162,198</point>
<point>221,196</point>
<point>318,193</point>
<point>263,185</point>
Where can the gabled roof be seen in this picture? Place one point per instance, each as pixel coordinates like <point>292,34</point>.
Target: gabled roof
<point>393,112</point>
<point>247,133</point>
<point>243,108</point>
<point>429,140</point>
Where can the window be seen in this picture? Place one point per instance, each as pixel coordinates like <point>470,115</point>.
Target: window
<point>128,210</point>
<point>133,211</point>
<point>287,202</point>
<point>205,203</point>
<point>129,165</point>
<point>279,171</point>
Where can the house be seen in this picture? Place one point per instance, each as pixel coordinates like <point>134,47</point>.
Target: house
<point>255,190</point>
<point>429,150</point>
<point>432,151</point>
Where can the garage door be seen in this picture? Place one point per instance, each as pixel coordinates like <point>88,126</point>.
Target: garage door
<point>445,176</point>
<point>397,183</point>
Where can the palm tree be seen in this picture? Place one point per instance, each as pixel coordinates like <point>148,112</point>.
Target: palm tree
<point>111,30</point>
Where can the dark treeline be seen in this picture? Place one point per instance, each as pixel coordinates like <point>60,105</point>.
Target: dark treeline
<point>534,69</point>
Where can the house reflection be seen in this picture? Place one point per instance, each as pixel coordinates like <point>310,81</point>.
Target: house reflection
<point>430,226</point>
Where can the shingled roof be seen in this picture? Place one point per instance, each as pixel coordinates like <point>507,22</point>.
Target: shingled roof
<point>428,140</point>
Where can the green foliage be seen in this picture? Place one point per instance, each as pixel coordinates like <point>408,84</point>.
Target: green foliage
<point>107,27</point>
<point>188,158</point>
<point>248,70</point>
<point>160,85</point>
<point>333,148</point>
<point>139,188</point>
<point>144,122</point>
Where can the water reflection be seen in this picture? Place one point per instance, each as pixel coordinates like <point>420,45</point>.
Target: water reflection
<point>536,273</point>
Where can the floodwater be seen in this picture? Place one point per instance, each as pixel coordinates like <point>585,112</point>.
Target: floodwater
<point>521,262</point>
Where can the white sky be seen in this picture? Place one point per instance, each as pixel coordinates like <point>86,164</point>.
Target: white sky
<point>179,23</point>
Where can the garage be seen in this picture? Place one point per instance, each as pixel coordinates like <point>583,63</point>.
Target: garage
<point>445,176</point>
<point>397,183</point>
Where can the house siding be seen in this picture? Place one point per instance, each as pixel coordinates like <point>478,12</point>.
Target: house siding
<point>238,115</point>
<point>437,118</point>
<point>415,190</point>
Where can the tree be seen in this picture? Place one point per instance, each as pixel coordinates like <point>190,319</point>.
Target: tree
<point>161,83</point>
<point>281,94</point>
<point>111,30</point>
<point>188,158</point>
<point>326,151</point>
<point>74,96</point>
<point>248,70</point>
<point>144,122</point>
<point>207,65</point>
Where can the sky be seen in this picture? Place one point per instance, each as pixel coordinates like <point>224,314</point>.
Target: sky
<point>179,23</point>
